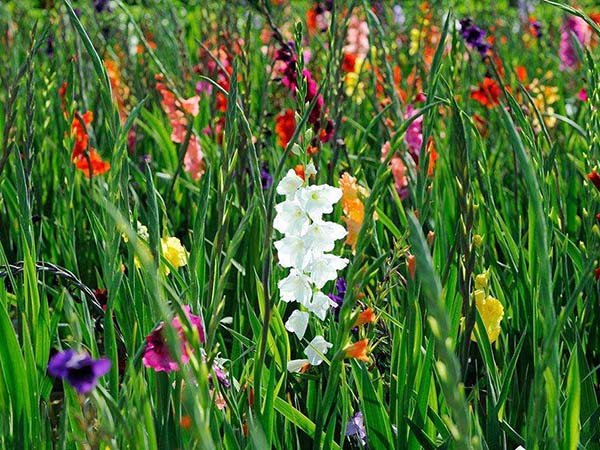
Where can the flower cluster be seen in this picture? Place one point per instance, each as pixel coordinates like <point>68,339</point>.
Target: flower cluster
<point>474,36</point>
<point>177,109</point>
<point>307,239</point>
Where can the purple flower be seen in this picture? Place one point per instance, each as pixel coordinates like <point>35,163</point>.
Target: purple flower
<point>266,179</point>
<point>221,376</point>
<point>356,427</point>
<point>102,5</point>
<point>50,46</point>
<point>474,36</point>
<point>414,134</point>
<point>340,287</point>
<point>79,369</point>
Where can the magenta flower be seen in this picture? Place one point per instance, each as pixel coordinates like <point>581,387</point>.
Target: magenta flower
<point>414,134</point>
<point>157,355</point>
<point>79,369</point>
<point>567,52</point>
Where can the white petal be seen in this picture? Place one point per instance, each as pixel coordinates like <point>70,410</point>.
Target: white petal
<point>295,288</point>
<point>317,347</point>
<point>320,305</point>
<point>319,200</point>
<point>290,218</point>
<point>297,323</point>
<point>291,251</point>
<point>310,169</point>
<point>325,269</point>
<point>295,365</point>
<point>322,235</point>
<point>289,184</point>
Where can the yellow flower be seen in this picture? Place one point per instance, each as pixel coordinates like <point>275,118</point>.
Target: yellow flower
<point>481,280</point>
<point>354,87</point>
<point>173,252</point>
<point>491,311</point>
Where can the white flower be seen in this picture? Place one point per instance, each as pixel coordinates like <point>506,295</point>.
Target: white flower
<point>289,184</point>
<point>324,269</point>
<point>290,218</point>
<point>295,288</point>
<point>321,236</point>
<point>310,169</point>
<point>319,200</point>
<point>316,349</point>
<point>291,252</point>
<point>320,304</point>
<point>297,323</point>
<point>296,365</point>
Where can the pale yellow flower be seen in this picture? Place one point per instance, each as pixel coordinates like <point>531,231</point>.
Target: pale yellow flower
<point>173,252</point>
<point>491,311</point>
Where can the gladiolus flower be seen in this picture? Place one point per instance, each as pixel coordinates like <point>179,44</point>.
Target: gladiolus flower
<point>79,369</point>
<point>98,165</point>
<point>285,125</point>
<point>173,252</point>
<point>366,316</point>
<point>317,347</point>
<point>488,93</point>
<point>491,311</point>
<point>358,350</point>
<point>594,177</point>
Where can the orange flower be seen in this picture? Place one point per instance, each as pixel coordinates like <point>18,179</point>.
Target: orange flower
<point>79,132</point>
<point>366,316</point>
<point>521,73</point>
<point>353,207</point>
<point>299,169</point>
<point>411,262</point>
<point>433,156</point>
<point>99,166</point>
<point>488,93</point>
<point>186,422</point>
<point>285,125</point>
<point>358,350</point>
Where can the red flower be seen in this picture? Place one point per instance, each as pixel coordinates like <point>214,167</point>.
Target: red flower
<point>285,125</point>
<point>488,93</point>
<point>99,166</point>
<point>594,177</point>
<point>349,62</point>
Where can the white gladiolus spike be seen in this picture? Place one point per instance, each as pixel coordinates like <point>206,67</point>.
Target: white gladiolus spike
<point>289,184</point>
<point>297,323</point>
<point>317,347</point>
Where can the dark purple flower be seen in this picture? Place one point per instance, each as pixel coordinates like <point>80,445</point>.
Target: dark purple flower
<point>266,179</point>
<point>79,369</point>
<point>50,46</point>
<point>340,288</point>
<point>474,36</point>
<point>102,5</point>
<point>356,427</point>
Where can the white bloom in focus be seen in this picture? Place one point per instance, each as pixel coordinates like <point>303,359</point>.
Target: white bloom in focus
<point>296,365</point>
<point>320,304</point>
<point>289,184</point>
<point>317,347</point>
<point>310,169</point>
<point>295,288</point>
<point>321,236</point>
<point>319,200</point>
<point>297,323</point>
<point>290,218</point>
<point>291,252</point>
<point>324,269</point>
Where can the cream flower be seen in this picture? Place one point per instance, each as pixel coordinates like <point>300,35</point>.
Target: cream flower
<point>324,269</point>
<point>297,323</point>
<point>290,218</point>
<point>289,184</point>
<point>295,288</point>
<point>319,200</point>
<point>320,304</point>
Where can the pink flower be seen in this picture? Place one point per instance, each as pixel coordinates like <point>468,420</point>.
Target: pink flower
<point>398,170</point>
<point>357,38</point>
<point>414,134</point>
<point>156,353</point>
<point>582,95</point>
<point>567,52</point>
<point>192,161</point>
